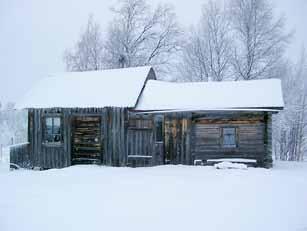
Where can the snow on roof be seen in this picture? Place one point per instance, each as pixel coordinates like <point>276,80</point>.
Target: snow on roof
<point>115,87</point>
<point>251,95</point>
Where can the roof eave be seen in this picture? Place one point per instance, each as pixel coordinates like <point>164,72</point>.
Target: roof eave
<point>255,109</point>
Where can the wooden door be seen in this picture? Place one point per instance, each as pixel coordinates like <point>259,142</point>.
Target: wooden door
<point>177,139</point>
<point>86,140</point>
<point>140,141</point>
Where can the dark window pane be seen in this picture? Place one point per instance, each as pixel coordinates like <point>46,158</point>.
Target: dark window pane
<point>49,138</point>
<point>57,138</point>
<point>159,129</point>
<point>56,130</point>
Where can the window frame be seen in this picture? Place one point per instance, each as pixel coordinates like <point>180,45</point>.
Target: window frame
<point>45,131</point>
<point>159,119</point>
<point>236,138</point>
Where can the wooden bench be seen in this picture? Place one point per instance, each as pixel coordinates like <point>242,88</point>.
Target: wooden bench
<point>248,162</point>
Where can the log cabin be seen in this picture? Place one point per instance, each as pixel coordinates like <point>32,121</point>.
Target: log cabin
<point>126,117</point>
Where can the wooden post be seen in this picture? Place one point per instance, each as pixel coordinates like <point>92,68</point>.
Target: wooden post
<point>267,159</point>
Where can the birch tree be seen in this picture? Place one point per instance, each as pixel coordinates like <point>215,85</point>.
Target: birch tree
<point>207,54</point>
<point>194,64</point>
<point>260,40</point>
<point>88,53</point>
<point>140,35</point>
<point>291,124</point>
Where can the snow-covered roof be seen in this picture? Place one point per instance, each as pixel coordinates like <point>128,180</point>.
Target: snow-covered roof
<point>116,87</point>
<point>227,95</point>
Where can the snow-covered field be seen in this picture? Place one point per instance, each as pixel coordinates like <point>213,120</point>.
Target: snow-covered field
<point>157,198</point>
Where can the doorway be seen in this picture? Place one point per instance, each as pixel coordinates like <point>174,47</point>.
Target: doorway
<point>86,140</point>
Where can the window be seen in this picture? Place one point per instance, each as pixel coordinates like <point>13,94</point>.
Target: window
<point>53,132</point>
<point>159,128</point>
<point>229,137</point>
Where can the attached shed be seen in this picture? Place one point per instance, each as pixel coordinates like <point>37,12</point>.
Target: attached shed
<point>125,117</point>
<point>206,121</point>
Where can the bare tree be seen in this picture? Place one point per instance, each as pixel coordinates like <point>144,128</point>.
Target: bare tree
<point>207,54</point>
<point>194,63</point>
<point>259,39</point>
<point>290,133</point>
<point>217,27</point>
<point>139,35</point>
<point>88,52</point>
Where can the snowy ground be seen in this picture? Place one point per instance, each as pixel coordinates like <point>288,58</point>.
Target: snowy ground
<point>158,198</point>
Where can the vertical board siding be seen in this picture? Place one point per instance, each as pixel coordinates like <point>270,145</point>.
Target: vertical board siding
<point>47,156</point>
<point>115,136</point>
<point>177,128</point>
<point>140,140</point>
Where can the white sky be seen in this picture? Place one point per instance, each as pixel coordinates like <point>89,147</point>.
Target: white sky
<point>35,33</point>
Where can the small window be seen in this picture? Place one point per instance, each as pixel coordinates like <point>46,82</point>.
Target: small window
<point>53,132</point>
<point>229,137</point>
<point>159,128</point>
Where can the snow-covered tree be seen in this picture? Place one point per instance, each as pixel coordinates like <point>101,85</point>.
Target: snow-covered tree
<point>137,35</point>
<point>88,52</point>
<point>259,39</point>
<point>290,132</point>
<point>207,54</point>
<point>237,39</point>
<point>140,35</point>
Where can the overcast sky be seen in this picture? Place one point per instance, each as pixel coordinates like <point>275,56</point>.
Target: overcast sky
<point>35,33</point>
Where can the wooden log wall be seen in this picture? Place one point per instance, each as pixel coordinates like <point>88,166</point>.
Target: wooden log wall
<point>251,135</point>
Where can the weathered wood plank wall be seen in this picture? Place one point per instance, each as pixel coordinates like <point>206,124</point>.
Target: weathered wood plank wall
<point>115,138</point>
<point>129,136</point>
<point>46,155</point>
<point>140,140</point>
<point>251,132</point>
<point>177,143</point>
<point>112,128</point>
